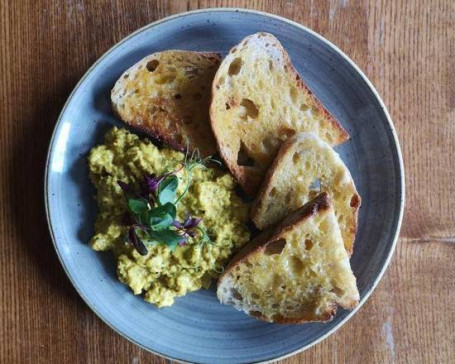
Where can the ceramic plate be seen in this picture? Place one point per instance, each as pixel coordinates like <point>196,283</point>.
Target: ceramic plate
<point>197,328</point>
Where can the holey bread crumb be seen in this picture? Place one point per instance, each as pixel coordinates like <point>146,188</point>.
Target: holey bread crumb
<point>167,95</point>
<point>258,101</point>
<point>299,271</point>
<point>304,167</point>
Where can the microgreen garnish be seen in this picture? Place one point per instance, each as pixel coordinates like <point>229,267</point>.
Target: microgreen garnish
<point>152,211</point>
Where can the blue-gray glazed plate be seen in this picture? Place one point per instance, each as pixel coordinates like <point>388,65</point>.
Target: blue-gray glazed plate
<point>197,328</point>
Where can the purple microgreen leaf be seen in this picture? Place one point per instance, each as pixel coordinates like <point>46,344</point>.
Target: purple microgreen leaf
<point>151,184</point>
<point>177,224</point>
<point>126,188</point>
<point>183,241</point>
<point>191,222</point>
<point>137,243</point>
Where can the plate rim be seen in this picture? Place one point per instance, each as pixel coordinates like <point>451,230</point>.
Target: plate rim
<point>365,79</point>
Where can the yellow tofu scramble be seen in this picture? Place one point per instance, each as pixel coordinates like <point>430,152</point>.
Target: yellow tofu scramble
<point>164,273</point>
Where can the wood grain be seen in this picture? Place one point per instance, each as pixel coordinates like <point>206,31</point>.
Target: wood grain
<point>407,49</point>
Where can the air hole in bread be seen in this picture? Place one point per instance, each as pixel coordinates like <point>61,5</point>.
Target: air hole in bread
<point>255,314</point>
<point>286,132</point>
<point>316,185</point>
<point>296,265</point>
<point>308,244</point>
<point>355,201</point>
<point>270,65</point>
<point>315,110</point>
<point>251,109</point>
<point>273,192</point>
<point>227,106</point>
<point>338,291</point>
<point>255,296</point>
<point>236,294</point>
<point>126,76</point>
<point>177,96</point>
<point>267,44</point>
<point>152,65</point>
<point>293,93</point>
<point>296,158</point>
<point>270,145</point>
<point>243,158</point>
<point>304,107</point>
<point>197,96</point>
<point>287,199</point>
<point>275,247</point>
<point>235,66</point>
<point>233,50</point>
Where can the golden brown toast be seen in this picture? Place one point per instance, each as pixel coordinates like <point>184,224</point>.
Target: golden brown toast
<point>166,95</point>
<point>259,101</point>
<point>296,272</point>
<point>304,167</point>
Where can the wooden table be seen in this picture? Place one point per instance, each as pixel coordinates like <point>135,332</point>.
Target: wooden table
<point>406,48</point>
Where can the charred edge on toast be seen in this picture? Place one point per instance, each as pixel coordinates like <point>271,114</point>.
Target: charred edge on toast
<point>321,202</point>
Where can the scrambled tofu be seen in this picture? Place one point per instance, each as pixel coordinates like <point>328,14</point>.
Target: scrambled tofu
<point>164,274</point>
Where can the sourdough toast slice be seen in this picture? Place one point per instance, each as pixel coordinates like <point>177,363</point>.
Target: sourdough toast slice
<point>167,95</point>
<point>296,272</point>
<point>258,101</point>
<point>305,166</point>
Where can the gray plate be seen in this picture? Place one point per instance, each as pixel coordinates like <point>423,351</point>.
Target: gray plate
<point>197,328</point>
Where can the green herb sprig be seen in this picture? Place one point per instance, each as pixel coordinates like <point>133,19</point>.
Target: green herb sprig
<point>152,211</point>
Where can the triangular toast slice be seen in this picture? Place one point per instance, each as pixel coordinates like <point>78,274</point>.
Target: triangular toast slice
<point>296,272</point>
<point>304,167</point>
<point>167,95</point>
<point>259,101</point>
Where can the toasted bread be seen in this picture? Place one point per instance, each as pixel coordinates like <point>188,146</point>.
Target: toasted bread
<point>296,272</point>
<point>258,101</point>
<point>166,95</point>
<point>305,166</point>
